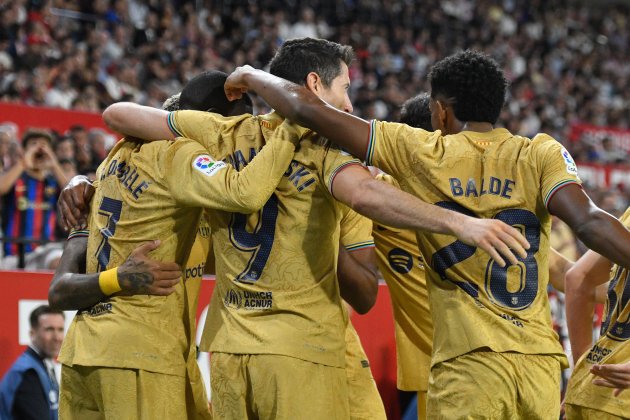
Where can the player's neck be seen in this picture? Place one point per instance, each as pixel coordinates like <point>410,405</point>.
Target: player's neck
<point>481,127</point>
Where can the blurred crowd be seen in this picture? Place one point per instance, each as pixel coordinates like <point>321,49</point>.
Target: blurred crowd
<point>567,62</point>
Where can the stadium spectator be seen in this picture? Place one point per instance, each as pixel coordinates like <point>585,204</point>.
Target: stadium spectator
<point>29,196</point>
<point>109,52</point>
<point>611,153</point>
<point>30,389</point>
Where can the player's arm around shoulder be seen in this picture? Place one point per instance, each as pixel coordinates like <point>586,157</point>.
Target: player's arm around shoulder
<point>217,185</point>
<point>298,104</point>
<point>138,121</point>
<point>393,207</point>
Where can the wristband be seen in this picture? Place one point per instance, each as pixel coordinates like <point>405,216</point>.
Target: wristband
<point>108,281</point>
<point>78,233</point>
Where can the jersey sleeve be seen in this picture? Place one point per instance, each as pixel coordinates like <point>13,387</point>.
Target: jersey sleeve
<point>206,128</point>
<point>556,166</point>
<point>198,180</point>
<point>355,230</point>
<point>394,147</point>
<point>334,162</point>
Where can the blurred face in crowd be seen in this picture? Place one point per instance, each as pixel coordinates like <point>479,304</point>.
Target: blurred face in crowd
<point>65,149</point>
<point>68,167</point>
<point>42,153</point>
<point>337,93</point>
<point>48,334</point>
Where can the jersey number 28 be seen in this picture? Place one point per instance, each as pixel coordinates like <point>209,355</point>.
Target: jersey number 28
<point>496,277</point>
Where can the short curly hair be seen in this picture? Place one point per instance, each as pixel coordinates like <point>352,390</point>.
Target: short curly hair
<point>416,113</point>
<point>296,58</point>
<point>474,82</point>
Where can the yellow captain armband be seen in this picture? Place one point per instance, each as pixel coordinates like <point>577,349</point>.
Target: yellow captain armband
<point>108,281</point>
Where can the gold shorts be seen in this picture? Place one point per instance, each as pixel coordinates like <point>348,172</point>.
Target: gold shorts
<point>95,392</point>
<point>268,386</point>
<point>364,398</point>
<point>486,384</point>
<point>577,412</point>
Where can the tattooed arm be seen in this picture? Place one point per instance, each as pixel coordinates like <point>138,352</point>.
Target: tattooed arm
<point>137,275</point>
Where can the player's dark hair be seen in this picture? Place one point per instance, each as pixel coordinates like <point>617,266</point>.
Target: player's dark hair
<point>298,57</point>
<point>473,83</point>
<point>415,112</point>
<point>204,92</point>
<point>42,310</point>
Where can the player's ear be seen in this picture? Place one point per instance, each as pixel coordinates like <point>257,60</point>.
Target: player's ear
<point>441,111</point>
<point>314,83</point>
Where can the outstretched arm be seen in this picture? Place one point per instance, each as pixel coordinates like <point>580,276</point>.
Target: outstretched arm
<point>138,275</point>
<point>298,104</point>
<point>559,266</point>
<point>599,231</point>
<point>390,206</point>
<point>217,185</point>
<point>581,283</point>
<point>143,122</point>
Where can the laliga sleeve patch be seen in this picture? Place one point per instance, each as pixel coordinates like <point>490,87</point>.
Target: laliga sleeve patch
<point>207,166</point>
<point>568,160</point>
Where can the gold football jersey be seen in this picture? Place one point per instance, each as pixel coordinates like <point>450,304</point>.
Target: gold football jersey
<point>192,275</point>
<point>402,267</point>
<point>475,303</point>
<point>355,229</point>
<point>277,290</point>
<point>365,400</point>
<point>612,347</point>
<point>147,191</point>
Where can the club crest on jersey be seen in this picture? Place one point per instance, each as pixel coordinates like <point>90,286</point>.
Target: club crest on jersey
<point>568,160</point>
<point>207,166</point>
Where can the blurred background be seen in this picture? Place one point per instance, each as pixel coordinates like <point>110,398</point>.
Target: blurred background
<point>63,62</point>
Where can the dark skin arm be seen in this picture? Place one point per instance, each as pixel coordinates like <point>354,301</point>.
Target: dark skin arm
<point>599,231</point>
<point>358,279</point>
<point>74,201</point>
<point>299,105</point>
<point>138,275</point>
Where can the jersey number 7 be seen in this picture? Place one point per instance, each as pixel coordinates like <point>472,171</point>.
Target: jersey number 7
<point>111,209</point>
